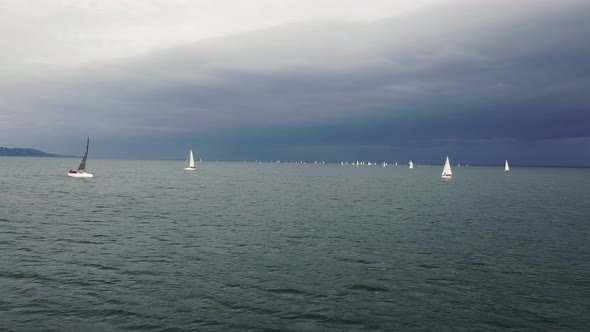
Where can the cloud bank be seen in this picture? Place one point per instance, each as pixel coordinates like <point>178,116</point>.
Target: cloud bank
<point>484,81</point>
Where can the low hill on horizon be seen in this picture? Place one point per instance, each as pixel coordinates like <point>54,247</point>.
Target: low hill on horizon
<point>27,152</point>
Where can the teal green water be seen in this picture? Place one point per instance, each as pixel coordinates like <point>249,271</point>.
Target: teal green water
<point>279,247</point>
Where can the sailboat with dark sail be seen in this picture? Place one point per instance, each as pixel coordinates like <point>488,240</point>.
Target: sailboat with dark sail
<point>81,171</point>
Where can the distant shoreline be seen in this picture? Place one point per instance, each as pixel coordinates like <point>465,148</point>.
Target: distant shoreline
<point>27,152</point>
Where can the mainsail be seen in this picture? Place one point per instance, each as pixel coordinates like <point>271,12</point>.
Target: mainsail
<point>447,173</point>
<point>191,160</point>
<point>82,166</point>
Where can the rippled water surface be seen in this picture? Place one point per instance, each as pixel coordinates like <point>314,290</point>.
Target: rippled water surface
<point>277,247</point>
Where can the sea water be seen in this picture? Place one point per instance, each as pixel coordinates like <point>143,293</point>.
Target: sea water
<point>145,245</point>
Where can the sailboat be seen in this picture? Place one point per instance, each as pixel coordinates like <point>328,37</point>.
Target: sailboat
<point>81,171</point>
<point>190,162</point>
<point>506,167</point>
<point>447,173</point>
<point>411,165</point>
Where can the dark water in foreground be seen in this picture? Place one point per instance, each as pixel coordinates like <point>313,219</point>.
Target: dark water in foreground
<point>266,247</point>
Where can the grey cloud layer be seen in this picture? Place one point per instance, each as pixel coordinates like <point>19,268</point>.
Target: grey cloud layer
<point>461,72</point>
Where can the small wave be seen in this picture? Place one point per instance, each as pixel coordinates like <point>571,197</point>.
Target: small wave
<point>440,281</point>
<point>429,267</point>
<point>368,288</point>
<point>309,316</point>
<point>117,313</point>
<point>319,317</point>
<point>26,275</point>
<point>250,309</point>
<point>284,291</point>
<point>359,261</point>
<point>99,266</point>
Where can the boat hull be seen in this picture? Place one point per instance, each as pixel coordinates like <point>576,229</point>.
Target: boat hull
<point>448,177</point>
<point>190,168</point>
<point>80,175</point>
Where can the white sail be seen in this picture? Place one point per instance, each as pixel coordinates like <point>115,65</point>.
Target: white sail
<point>447,173</point>
<point>190,161</point>
<point>506,167</point>
<point>411,165</point>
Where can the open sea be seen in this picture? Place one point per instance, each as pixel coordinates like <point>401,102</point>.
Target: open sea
<point>147,246</point>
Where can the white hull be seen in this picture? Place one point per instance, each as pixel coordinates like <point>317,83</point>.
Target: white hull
<point>81,175</point>
<point>190,168</point>
<point>447,176</point>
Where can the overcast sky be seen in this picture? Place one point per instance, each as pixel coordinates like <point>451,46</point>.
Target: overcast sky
<point>481,81</point>
<point>68,32</point>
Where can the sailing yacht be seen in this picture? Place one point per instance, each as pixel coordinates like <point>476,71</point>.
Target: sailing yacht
<point>411,165</point>
<point>506,167</point>
<point>447,173</point>
<point>81,171</point>
<point>190,162</point>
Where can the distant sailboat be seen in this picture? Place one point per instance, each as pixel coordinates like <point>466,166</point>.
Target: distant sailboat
<point>411,165</point>
<point>190,162</point>
<point>447,173</point>
<point>81,172</point>
<point>506,167</point>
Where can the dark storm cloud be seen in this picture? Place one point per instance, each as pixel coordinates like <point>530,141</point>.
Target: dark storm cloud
<point>456,74</point>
